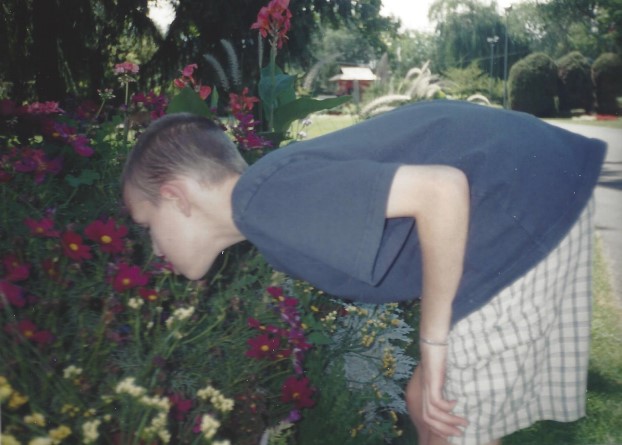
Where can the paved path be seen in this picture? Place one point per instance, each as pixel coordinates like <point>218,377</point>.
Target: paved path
<point>608,198</point>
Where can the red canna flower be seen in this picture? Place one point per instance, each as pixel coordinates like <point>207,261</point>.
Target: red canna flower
<point>274,20</point>
<point>43,227</point>
<point>74,248</point>
<point>128,277</point>
<point>262,346</point>
<point>107,235</point>
<point>297,391</point>
<point>15,269</point>
<point>126,68</point>
<point>149,295</point>
<point>187,80</point>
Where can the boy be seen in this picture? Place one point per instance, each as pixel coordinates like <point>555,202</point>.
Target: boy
<point>483,214</point>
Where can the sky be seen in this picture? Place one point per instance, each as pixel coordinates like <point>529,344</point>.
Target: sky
<point>414,13</point>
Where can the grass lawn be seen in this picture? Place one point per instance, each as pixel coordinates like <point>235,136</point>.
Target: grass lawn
<point>603,423</point>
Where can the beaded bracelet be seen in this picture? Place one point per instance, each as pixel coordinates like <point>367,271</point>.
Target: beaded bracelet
<point>433,343</point>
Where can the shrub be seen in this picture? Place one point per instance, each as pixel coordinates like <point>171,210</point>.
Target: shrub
<point>575,83</point>
<point>607,77</point>
<point>533,85</point>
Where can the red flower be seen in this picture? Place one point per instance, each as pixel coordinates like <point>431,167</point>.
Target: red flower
<point>74,248</point>
<point>187,80</point>
<point>181,406</point>
<point>35,161</point>
<point>297,391</point>
<point>29,331</point>
<point>107,235</point>
<point>12,294</point>
<point>263,346</point>
<point>149,295</point>
<point>37,108</point>
<point>274,20</point>
<point>128,277</point>
<point>43,227</point>
<point>15,269</point>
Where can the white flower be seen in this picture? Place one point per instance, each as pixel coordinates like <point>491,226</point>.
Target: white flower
<point>128,386</point>
<point>209,426</point>
<point>71,371</point>
<point>135,302</point>
<point>89,431</point>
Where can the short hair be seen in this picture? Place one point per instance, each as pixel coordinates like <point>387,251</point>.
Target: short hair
<point>180,144</point>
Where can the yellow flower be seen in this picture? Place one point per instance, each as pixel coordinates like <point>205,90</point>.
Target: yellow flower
<point>41,441</point>
<point>17,400</point>
<point>60,433</point>
<point>35,419</point>
<point>7,439</point>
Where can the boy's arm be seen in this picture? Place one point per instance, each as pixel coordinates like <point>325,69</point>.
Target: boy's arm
<point>438,198</point>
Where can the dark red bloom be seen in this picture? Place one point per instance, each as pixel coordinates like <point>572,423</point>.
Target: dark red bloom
<point>15,269</point>
<point>74,247</point>
<point>37,162</point>
<point>263,346</point>
<point>297,391</point>
<point>28,330</point>
<point>107,235</point>
<point>149,295</point>
<point>181,406</point>
<point>128,277</point>
<point>42,227</point>
<point>12,293</point>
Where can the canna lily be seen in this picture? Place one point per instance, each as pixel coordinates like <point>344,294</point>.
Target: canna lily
<point>274,20</point>
<point>74,247</point>
<point>107,235</point>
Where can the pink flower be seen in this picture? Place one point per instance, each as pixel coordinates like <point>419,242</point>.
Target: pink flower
<point>38,108</point>
<point>128,277</point>
<point>126,68</point>
<point>262,346</point>
<point>35,161</point>
<point>187,80</point>
<point>74,247</point>
<point>107,235</point>
<point>274,20</point>
<point>43,227</point>
<point>189,69</point>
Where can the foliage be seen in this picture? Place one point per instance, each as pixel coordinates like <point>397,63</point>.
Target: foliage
<point>575,83</point>
<point>533,85</point>
<point>607,77</point>
<point>465,82</point>
<point>417,84</point>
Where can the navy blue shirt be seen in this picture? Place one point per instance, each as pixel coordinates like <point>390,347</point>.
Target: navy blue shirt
<point>316,209</point>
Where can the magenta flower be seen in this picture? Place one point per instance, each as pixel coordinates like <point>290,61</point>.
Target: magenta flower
<point>43,227</point>
<point>12,294</point>
<point>37,162</point>
<point>107,235</point>
<point>39,108</point>
<point>15,269</point>
<point>28,330</point>
<point>74,247</point>
<point>297,391</point>
<point>128,277</point>
<point>262,346</point>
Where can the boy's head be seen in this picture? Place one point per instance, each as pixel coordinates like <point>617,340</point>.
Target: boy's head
<point>177,145</point>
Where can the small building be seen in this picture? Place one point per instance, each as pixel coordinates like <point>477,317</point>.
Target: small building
<point>353,80</point>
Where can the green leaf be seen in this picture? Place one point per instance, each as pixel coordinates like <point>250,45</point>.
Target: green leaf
<point>87,177</point>
<point>188,101</point>
<point>284,90</point>
<point>319,338</point>
<point>301,108</point>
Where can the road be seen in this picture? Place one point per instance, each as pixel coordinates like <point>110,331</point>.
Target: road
<point>608,198</point>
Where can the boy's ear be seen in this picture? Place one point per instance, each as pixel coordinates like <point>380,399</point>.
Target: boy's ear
<point>178,192</point>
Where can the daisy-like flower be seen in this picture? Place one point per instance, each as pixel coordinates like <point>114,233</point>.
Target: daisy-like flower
<point>107,234</point>
<point>15,269</point>
<point>263,346</point>
<point>149,295</point>
<point>42,227</point>
<point>128,277</point>
<point>297,391</point>
<point>74,247</point>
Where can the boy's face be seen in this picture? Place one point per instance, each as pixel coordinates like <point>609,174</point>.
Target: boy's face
<point>174,235</point>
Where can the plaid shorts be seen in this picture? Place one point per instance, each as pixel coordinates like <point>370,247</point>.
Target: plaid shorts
<point>523,357</point>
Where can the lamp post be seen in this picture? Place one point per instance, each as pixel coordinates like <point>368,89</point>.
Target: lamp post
<point>491,41</point>
<point>505,60</point>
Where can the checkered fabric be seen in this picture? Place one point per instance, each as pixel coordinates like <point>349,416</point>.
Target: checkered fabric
<point>523,357</point>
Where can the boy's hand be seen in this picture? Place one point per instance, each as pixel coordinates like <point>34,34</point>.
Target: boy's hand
<point>433,411</point>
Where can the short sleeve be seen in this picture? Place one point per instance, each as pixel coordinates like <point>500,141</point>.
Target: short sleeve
<point>331,211</point>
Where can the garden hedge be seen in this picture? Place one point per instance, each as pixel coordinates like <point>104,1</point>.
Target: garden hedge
<point>533,85</point>
<point>607,77</point>
<point>575,88</point>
